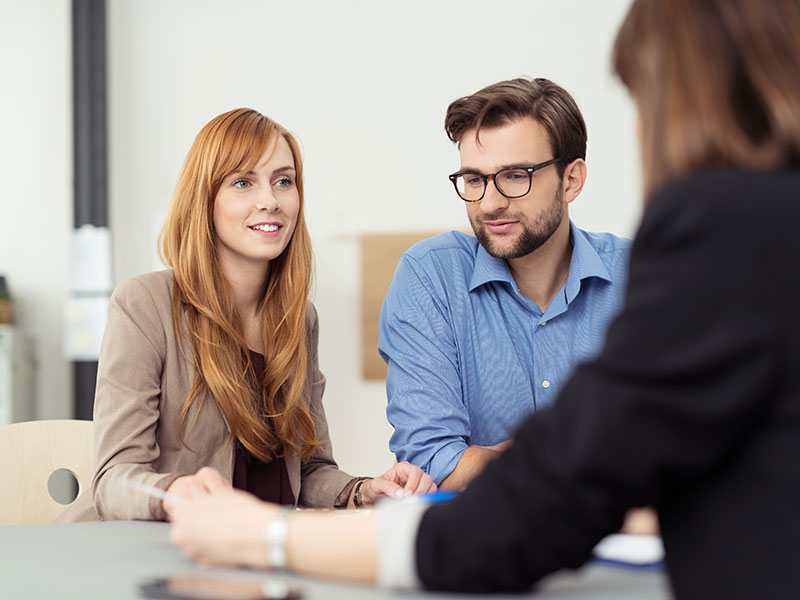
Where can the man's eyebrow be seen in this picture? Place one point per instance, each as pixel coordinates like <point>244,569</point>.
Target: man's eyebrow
<point>506,166</point>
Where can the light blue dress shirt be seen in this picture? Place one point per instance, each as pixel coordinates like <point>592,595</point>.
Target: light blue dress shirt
<point>469,356</point>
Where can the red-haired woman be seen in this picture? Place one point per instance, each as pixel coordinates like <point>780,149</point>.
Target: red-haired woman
<point>208,373</point>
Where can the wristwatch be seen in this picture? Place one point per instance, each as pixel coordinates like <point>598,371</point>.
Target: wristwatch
<point>275,534</point>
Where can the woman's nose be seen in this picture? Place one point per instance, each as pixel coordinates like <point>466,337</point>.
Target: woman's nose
<point>267,201</point>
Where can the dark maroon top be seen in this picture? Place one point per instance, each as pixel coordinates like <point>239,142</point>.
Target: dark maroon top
<point>268,481</point>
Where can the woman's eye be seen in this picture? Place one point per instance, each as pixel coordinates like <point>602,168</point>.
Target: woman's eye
<point>241,184</point>
<point>284,182</point>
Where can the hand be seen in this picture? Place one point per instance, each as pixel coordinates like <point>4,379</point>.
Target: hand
<point>641,521</point>
<point>222,527</point>
<point>202,483</point>
<point>403,479</point>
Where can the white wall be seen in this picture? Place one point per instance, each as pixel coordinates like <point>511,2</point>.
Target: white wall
<point>36,175</point>
<point>363,84</point>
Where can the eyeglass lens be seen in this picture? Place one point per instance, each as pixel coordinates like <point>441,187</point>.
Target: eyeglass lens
<point>510,182</point>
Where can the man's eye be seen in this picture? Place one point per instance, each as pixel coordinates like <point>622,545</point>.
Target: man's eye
<point>473,180</point>
<point>516,176</point>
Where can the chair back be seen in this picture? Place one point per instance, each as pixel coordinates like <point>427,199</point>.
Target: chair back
<point>32,451</point>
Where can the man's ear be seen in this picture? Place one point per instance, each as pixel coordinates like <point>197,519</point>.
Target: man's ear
<point>573,179</point>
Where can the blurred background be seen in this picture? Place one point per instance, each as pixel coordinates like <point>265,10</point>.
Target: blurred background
<point>363,85</point>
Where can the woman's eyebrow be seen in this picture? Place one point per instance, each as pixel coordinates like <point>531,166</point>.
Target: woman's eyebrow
<point>287,169</point>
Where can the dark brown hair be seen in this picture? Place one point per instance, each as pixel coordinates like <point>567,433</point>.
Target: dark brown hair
<point>507,101</point>
<point>716,82</point>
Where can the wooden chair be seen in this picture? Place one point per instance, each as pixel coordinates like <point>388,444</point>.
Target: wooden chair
<point>29,453</point>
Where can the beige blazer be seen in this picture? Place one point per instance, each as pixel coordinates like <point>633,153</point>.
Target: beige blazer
<point>143,380</point>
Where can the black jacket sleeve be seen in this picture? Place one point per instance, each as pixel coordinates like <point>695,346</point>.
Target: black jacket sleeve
<point>688,373</point>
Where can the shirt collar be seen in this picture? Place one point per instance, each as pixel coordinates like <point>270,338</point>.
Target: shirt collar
<point>585,262</point>
<point>488,268</point>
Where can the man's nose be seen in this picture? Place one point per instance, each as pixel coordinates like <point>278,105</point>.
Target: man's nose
<point>493,200</point>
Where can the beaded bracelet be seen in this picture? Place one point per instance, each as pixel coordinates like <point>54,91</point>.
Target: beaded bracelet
<point>357,501</point>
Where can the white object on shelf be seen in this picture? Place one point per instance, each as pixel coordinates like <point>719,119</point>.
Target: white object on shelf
<point>84,323</point>
<point>90,260</point>
<point>16,377</point>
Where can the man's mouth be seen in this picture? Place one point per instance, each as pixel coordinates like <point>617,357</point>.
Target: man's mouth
<point>500,226</point>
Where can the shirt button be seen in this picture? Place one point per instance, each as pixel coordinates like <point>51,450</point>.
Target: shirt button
<point>543,323</point>
<point>546,384</point>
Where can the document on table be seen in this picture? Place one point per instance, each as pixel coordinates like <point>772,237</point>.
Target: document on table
<point>630,550</point>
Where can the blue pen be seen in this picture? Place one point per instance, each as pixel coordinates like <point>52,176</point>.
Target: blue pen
<point>439,496</point>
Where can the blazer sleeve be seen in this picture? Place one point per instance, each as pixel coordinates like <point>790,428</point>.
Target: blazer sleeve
<point>126,408</point>
<point>686,376</point>
<point>321,481</point>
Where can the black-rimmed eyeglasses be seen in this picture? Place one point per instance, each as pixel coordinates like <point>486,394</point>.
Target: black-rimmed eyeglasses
<point>512,182</point>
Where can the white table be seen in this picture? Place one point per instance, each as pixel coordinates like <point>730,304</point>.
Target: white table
<point>109,560</point>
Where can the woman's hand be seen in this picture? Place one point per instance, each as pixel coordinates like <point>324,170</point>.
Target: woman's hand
<point>403,479</point>
<point>222,527</point>
<point>202,483</point>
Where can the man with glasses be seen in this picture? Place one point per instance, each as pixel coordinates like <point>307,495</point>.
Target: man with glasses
<point>478,332</point>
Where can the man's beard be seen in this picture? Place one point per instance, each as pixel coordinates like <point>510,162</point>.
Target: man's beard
<point>533,235</point>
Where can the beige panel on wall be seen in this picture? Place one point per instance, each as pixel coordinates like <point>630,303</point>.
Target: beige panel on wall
<point>380,254</point>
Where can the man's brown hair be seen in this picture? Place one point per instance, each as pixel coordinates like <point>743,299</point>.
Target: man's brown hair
<point>507,101</point>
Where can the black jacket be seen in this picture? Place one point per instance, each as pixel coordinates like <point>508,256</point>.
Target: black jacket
<point>692,407</point>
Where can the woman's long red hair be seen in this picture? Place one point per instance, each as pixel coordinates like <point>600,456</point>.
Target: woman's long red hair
<point>202,302</point>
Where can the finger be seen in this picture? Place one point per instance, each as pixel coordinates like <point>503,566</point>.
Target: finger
<point>401,472</point>
<point>194,488</point>
<point>384,487</point>
<point>211,479</point>
<point>182,488</point>
<point>413,480</point>
<point>393,474</point>
<point>425,485</point>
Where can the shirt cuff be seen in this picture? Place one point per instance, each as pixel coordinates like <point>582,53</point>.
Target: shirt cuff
<point>398,522</point>
<point>446,460</point>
